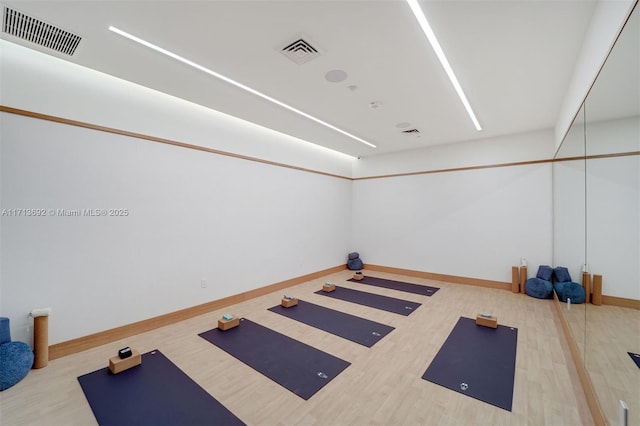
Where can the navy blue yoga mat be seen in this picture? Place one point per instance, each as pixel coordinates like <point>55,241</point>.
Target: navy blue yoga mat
<point>154,393</point>
<point>385,303</point>
<point>350,327</point>
<point>301,368</point>
<point>477,361</point>
<point>424,290</point>
<point>635,358</point>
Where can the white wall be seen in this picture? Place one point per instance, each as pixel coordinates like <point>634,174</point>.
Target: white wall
<point>604,192</point>
<point>569,216</point>
<point>472,223</point>
<point>192,215</point>
<point>613,233</point>
<point>607,21</point>
<point>613,206</point>
<point>505,149</point>
<point>475,223</point>
<point>37,82</point>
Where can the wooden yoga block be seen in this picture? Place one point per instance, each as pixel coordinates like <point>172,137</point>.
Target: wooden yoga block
<point>118,365</point>
<point>287,303</point>
<point>596,297</point>
<point>328,288</point>
<point>523,278</point>
<point>515,279</point>
<point>586,284</point>
<point>224,324</point>
<point>487,321</point>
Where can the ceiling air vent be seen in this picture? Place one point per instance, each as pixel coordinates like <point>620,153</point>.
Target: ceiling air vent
<point>411,131</point>
<point>36,31</point>
<point>300,51</point>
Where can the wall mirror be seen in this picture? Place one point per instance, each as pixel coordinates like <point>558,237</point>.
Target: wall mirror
<point>597,223</point>
<point>569,218</point>
<point>612,112</point>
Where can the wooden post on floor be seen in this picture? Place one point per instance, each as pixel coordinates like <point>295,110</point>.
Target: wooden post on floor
<point>586,284</point>
<point>515,279</point>
<point>523,278</point>
<point>41,341</point>
<point>596,297</point>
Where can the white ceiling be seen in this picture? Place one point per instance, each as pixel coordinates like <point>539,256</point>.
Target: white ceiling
<point>513,58</point>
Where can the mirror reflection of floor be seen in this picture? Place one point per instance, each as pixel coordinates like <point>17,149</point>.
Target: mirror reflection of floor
<point>613,331</point>
<point>575,316</point>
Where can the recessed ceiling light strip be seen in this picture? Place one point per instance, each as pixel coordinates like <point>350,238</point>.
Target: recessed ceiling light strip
<point>424,24</point>
<point>233,82</point>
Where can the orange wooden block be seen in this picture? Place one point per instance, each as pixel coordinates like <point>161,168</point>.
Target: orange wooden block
<point>287,303</point>
<point>487,321</point>
<point>117,364</point>
<point>224,324</point>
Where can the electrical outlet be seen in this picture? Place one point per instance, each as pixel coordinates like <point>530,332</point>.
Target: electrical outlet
<point>203,283</point>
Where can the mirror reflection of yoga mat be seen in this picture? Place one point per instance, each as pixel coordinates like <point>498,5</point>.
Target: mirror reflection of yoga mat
<point>477,361</point>
<point>635,357</point>
<point>301,368</point>
<point>384,303</point>
<point>424,290</point>
<point>155,392</point>
<point>347,326</point>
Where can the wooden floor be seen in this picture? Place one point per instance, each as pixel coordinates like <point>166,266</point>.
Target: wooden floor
<point>611,332</point>
<point>383,385</point>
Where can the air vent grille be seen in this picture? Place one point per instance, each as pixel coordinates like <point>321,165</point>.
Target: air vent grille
<point>36,31</point>
<point>300,51</point>
<point>411,131</point>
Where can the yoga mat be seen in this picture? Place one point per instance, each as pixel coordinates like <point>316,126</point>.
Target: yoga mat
<point>477,361</point>
<point>301,368</point>
<point>384,303</point>
<point>350,327</point>
<point>635,357</point>
<point>154,393</point>
<point>397,285</point>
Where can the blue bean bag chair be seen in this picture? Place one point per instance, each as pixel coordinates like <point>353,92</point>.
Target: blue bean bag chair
<point>567,289</point>
<point>540,287</point>
<point>561,274</point>
<point>570,290</point>
<point>545,272</point>
<point>354,263</point>
<point>16,358</point>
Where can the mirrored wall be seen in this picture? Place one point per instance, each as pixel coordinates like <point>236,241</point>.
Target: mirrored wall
<point>597,224</point>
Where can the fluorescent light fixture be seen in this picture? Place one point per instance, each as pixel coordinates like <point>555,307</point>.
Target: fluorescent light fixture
<point>233,82</point>
<point>424,24</point>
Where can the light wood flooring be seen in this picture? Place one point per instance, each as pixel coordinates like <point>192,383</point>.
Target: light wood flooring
<point>611,332</point>
<point>383,385</point>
